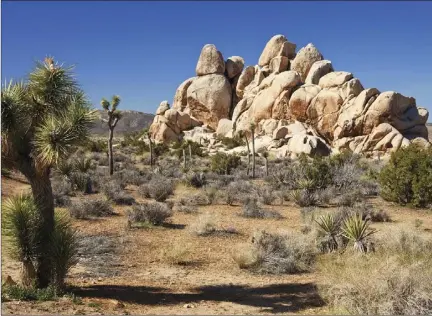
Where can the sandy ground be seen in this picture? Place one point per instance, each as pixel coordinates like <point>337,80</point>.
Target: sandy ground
<point>142,281</point>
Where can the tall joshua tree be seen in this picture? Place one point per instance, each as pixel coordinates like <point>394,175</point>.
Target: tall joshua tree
<point>252,130</point>
<point>43,118</point>
<point>114,116</point>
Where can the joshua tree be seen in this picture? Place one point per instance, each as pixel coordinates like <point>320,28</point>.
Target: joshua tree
<point>242,134</point>
<point>252,129</point>
<point>114,116</point>
<point>43,118</point>
<point>265,155</point>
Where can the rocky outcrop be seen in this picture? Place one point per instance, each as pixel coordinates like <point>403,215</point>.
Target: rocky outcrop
<point>297,102</point>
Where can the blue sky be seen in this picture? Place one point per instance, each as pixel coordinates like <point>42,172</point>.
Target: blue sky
<point>144,50</point>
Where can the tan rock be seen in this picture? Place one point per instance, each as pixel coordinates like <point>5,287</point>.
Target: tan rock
<point>279,64</point>
<point>164,134</point>
<point>262,104</point>
<point>334,79</point>
<point>323,112</point>
<point>163,106</point>
<point>244,80</point>
<point>304,60</point>
<point>225,126</point>
<point>209,99</point>
<point>300,101</point>
<point>210,61</point>
<point>241,107</point>
<point>180,98</point>
<point>234,66</point>
<point>318,70</point>
<point>388,106</point>
<point>277,46</point>
<point>310,145</point>
<point>281,109</point>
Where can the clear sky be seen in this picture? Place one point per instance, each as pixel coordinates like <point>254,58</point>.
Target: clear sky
<point>144,50</point>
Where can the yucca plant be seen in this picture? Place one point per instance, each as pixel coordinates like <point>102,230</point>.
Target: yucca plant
<point>83,164</point>
<point>357,230</point>
<point>43,118</point>
<point>114,116</point>
<point>20,223</point>
<point>329,225</point>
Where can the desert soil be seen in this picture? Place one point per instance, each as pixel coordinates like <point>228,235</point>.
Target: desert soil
<point>137,279</point>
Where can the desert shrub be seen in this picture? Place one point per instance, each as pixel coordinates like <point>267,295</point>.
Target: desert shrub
<point>211,194</point>
<point>90,208</point>
<point>195,179</point>
<point>277,253</point>
<point>303,197</point>
<point>169,168</point>
<point>99,158</point>
<point>24,293</point>
<point>407,178</point>
<point>96,145</point>
<point>185,208</point>
<point>205,224</point>
<point>61,200</point>
<point>160,148</point>
<point>81,182</point>
<point>131,176</point>
<point>64,168</point>
<point>253,210</point>
<point>114,192</point>
<point>153,213</point>
<point>195,199</point>
<point>325,196</point>
<point>196,148</point>
<point>160,188</point>
<point>395,280</point>
<point>238,191</point>
<point>265,194</point>
<point>349,197</point>
<point>144,191</point>
<point>231,142</point>
<point>222,163</point>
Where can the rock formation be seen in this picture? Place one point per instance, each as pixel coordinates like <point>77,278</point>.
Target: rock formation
<point>297,101</point>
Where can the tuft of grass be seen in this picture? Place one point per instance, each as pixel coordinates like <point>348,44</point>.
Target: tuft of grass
<point>154,213</point>
<point>277,253</point>
<point>204,225</point>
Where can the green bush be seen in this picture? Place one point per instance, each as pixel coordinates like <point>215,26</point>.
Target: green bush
<point>96,146</point>
<point>196,148</point>
<point>407,178</point>
<point>231,142</point>
<point>222,163</point>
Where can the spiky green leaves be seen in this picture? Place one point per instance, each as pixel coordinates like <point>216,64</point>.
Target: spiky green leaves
<point>20,217</point>
<point>356,230</point>
<point>105,104</point>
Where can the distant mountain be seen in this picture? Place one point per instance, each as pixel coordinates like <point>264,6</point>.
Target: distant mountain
<point>130,122</point>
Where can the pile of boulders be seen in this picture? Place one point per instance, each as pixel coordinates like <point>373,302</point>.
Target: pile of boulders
<point>296,101</point>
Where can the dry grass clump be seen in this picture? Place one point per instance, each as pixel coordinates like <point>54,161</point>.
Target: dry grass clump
<point>153,213</point>
<point>85,209</point>
<point>158,188</point>
<point>394,280</point>
<point>276,253</point>
<point>178,253</point>
<point>253,210</point>
<point>204,225</point>
<point>114,192</point>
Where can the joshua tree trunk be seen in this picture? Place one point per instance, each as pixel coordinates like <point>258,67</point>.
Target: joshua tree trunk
<point>190,153</point>
<point>110,152</point>
<point>249,155</point>
<point>253,153</point>
<point>266,165</point>
<point>184,158</point>
<point>151,150</point>
<point>42,193</point>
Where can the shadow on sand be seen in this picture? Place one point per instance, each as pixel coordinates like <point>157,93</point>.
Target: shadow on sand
<point>276,298</point>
